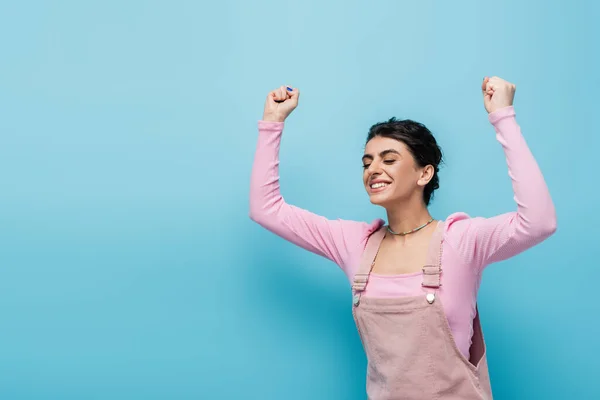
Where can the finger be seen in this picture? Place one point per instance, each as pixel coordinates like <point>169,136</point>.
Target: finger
<point>494,80</point>
<point>484,84</point>
<point>283,93</point>
<point>278,96</point>
<point>273,95</point>
<point>293,93</point>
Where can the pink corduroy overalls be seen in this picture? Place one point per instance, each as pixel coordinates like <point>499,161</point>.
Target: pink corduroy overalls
<point>410,350</point>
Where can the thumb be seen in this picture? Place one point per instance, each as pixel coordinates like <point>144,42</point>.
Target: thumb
<point>293,94</point>
<point>484,85</point>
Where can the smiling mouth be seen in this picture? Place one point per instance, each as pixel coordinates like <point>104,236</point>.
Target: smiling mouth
<point>379,186</point>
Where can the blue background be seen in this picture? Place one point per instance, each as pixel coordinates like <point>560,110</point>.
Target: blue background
<point>129,268</point>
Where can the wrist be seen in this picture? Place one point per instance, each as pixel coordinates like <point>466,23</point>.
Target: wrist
<point>501,113</point>
<point>273,118</point>
<point>501,108</point>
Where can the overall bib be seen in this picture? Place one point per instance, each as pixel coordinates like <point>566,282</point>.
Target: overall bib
<point>409,346</point>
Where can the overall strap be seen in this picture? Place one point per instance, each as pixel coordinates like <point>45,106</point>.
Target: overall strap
<point>368,259</point>
<point>432,270</point>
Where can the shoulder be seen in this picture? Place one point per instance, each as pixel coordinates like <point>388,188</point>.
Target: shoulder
<point>349,236</point>
<point>460,225</point>
<point>461,229</point>
<point>356,235</point>
<point>361,230</point>
<point>460,235</point>
<point>457,223</point>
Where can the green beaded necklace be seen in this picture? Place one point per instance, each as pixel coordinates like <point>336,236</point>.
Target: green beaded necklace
<point>412,231</point>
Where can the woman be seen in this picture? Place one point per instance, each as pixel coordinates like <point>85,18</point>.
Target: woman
<point>415,279</point>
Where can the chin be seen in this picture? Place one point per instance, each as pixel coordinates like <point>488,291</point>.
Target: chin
<point>378,199</point>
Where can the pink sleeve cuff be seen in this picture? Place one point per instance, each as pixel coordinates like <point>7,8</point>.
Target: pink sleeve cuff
<point>270,125</point>
<point>500,114</point>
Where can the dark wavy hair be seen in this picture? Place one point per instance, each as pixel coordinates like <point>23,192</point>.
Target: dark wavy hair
<point>420,142</point>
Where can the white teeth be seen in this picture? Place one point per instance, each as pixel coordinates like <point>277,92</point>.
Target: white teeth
<point>379,185</point>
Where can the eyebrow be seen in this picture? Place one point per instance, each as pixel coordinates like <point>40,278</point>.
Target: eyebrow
<point>382,154</point>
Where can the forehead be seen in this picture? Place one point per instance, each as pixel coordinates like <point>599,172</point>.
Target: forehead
<point>379,144</point>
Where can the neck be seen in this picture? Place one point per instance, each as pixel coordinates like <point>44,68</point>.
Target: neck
<point>406,217</point>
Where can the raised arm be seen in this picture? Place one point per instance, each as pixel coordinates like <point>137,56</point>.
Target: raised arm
<point>483,241</point>
<point>335,240</point>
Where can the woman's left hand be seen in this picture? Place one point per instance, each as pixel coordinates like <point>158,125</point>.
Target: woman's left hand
<point>497,93</point>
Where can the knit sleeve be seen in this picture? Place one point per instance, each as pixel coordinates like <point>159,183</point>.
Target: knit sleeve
<point>482,241</point>
<point>334,239</point>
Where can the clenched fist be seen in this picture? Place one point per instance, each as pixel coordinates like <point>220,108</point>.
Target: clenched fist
<point>497,93</point>
<point>280,103</point>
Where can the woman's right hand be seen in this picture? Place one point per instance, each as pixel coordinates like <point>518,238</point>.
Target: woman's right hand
<point>280,103</point>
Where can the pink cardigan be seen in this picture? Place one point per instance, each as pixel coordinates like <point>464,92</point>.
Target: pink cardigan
<point>470,244</point>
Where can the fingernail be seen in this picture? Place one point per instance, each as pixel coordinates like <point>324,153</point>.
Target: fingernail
<point>289,89</point>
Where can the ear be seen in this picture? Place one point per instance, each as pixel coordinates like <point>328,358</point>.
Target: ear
<point>427,173</point>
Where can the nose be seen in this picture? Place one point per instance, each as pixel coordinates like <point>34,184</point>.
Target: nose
<point>373,173</point>
<point>374,169</point>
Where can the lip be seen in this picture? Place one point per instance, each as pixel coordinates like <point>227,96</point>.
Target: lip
<point>381,189</point>
<point>378,181</point>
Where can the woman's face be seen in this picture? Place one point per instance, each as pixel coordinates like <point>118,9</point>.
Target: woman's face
<point>391,173</point>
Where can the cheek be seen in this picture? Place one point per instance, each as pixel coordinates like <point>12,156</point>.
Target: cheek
<point>397,171</point>
<point>403,175</point>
